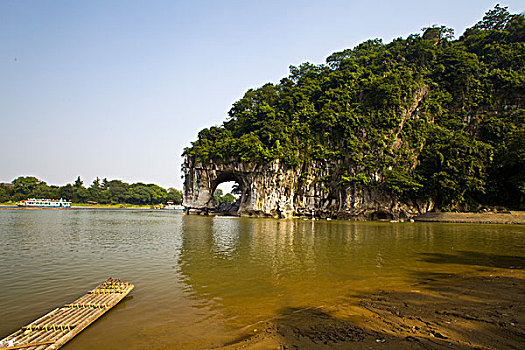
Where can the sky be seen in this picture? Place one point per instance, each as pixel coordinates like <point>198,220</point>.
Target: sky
<point>117,89</point>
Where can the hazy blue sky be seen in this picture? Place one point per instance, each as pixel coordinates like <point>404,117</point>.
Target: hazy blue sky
<point>117,89</point>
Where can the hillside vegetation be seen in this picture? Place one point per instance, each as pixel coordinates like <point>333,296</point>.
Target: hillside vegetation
<point>422,117</point>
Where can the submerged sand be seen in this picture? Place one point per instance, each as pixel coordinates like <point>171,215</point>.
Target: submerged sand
<point>482,310</point>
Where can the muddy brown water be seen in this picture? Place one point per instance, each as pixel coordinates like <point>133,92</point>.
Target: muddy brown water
<point>202,282</point>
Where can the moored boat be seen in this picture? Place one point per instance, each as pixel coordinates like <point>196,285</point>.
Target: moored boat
<point>172,206</point>
<point>45,203</point>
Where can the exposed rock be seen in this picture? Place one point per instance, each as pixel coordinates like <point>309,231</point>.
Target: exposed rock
<point>228,208</point>
<point>276,190</point>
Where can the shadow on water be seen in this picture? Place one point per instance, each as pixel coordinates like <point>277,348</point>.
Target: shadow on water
<point>476,259</point>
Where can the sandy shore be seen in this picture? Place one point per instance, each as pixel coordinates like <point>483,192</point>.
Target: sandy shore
<point>484,310</point>
<point>513,217</point>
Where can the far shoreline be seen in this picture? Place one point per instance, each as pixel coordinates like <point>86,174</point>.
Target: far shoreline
<point>3,207</point>
<point>510,217</point>
<point>77,206</point>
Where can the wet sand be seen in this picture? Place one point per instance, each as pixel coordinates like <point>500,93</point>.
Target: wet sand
<point>511,217</point>
<point>482,310</point>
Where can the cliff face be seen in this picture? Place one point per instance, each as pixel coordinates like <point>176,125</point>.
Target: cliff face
<point>314,189</point>
<point>275,190</point>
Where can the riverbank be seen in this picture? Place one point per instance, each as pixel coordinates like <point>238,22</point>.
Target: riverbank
<point>510,217</point>
<point>87,206</point>
<point>481,310</point>
<point>84,207</point>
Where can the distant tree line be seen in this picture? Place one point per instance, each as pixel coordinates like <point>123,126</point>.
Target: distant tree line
<point>100,191</point>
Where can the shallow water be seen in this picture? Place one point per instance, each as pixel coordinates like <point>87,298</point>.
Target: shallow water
<point>200,282</point>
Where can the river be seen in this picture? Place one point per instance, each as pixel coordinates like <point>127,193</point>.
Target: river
<point>201,282</point>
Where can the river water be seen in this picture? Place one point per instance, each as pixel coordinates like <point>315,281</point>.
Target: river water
<point>201,282</point>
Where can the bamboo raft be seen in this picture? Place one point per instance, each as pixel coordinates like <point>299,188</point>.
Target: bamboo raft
<point>59,326</point>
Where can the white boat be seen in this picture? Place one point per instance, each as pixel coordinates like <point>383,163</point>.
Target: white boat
<point>45,203</point>
<point>172,206</point>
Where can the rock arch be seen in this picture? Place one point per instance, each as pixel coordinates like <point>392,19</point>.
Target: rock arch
<point>261,193</point>
<point>223,177</point>
<point>277,190</point>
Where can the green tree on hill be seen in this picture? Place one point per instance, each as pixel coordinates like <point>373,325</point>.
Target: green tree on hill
<point>422,117</point>
<point>78,183</point>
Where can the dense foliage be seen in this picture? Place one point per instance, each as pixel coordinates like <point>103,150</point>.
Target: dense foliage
<point>100,191</point>
<point>220,198</point>
<point>421,117</point>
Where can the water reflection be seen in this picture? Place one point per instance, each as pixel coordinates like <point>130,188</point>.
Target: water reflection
<point>252,267</point>
<point>225,235</point>
<point>246,269</point>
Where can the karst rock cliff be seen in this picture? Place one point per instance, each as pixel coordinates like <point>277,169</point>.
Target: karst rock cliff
<point>380,131</point>
<point>275,190</point>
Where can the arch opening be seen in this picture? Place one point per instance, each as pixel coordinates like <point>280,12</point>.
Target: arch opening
<point>227,194</point>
